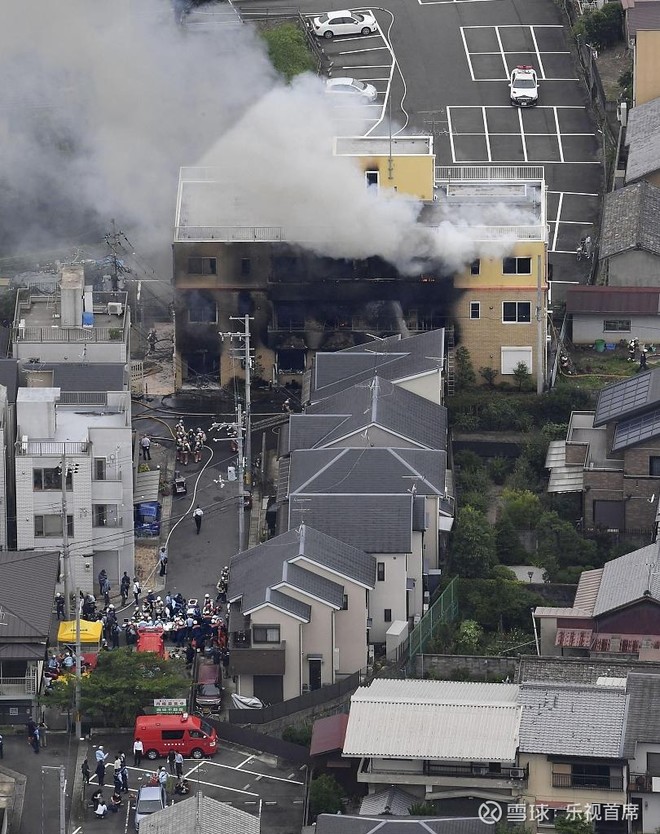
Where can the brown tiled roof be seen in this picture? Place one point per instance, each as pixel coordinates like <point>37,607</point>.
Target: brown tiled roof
<point>634,300</point>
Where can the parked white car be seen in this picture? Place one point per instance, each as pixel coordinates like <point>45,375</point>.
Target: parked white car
<point>344,23</point>
<point>352,89</point>
<point>524,86</point>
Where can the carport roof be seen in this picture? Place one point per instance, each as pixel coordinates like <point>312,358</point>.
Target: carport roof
<point>200,815</point>
<point>643,140</point>
<point>630,219</point>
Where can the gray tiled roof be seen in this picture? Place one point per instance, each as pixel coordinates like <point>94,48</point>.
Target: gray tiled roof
<point>580,669</point>
<point>374,402</point>
<point>393,359</point>
<point>629,220</point>
<point>202,815</point>
<point>72,376</point>
<point>371,470</point>
<point>572,720</point>
<point>345,824</point>
<point>642,16</point>
<point>263,573</point>
<point>643,723</point>
<point>634,395</point>
<point>627,579</point>
<point>392,800</point>
<point>373,523</point>
<point>27,590</point>
<point>643,140</point>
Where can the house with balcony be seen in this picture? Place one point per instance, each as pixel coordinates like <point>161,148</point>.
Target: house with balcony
<point>438,740</point>
<point>616,612</point>
<point>500,299</point>
<point>72,323</point>
<point>612,456</point>
<point>642,749</point>
<point>571,745</point>
<point>390,503</point>
<point>26,603</point>
<point>74,460</point>
<point>415,363</point>
<point>298,617</point>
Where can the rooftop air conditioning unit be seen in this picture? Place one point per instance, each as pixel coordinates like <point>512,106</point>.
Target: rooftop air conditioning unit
<point>517,772</point>
<point>115,308</point>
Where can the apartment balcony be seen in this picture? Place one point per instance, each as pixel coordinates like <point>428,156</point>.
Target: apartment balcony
<point>643,783</point>
<point>445,776</point>
<point>246,659</point>
<point>25,687</point>
<point>613,782</point>
<point>107,491</point>
<point>45,448</point>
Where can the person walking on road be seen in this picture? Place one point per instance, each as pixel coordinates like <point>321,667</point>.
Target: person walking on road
<point>162,560</point>
<point>124,587</point>
<point>198,515</point>
<point>138,752</point>
<point>100,772</point>
<point>137,590</point>
<point>145,443</point>
<point>84,769</point>
<point>178,763</point>
<point>171,757</point>
<point>59,606</point>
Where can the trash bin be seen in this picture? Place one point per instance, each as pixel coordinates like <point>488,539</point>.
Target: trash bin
<point>599,345</point>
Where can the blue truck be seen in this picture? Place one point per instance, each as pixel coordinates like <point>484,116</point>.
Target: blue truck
<point>146,519</point>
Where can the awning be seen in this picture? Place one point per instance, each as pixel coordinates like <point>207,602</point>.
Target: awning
<point>573,638</point>
<point>22,651</point>
<point>89,632</point>
<point>146,486</point>
<point>328,734</point>
<point>445,522</point>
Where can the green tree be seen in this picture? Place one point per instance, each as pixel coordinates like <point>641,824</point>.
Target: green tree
<point>464,375</point>
<point>489,375</point>
<point>521,507</point>
<point>121,685</point>
<point>288,50</point>
<point>299,734</point>
<point>468,637</point>
<point>560,545</point>
<point>573,824</point>
<point>472,552</point>
<point>507,543</point>
<point>498,604</point>
<point>602,27</point>
<point>324,796</point>
<point>423,809</point>
<point>521,375</point>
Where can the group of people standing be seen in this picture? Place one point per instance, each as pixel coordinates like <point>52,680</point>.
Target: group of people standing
<point>189,443</point>
<point>120,775</point>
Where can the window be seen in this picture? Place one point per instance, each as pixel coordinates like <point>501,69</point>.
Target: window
<point>387,615</point>
<point>51,525</point>
<point>43,479</point>
<point>246,266</point>
<point>517,266</point>
<point>99,469</point>
<point>99,515</point>
<point>265,634</point>
<point>475,310</point>
<point>172,735</point>
<point>202,266</point>
<point>516,312</point>
<point>654,466</point>
<point>371,177</point>
<point>510,357</point>
<point>202,310</point>
<point>610,514</point>
<point>344,603</point>
<point>617,326</point>
<point>380,571</point>
<point>475,267</point>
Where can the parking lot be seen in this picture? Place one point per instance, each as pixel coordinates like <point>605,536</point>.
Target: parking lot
<point>257,783</point>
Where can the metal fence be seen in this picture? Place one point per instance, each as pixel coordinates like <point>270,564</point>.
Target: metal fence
<point>443,610</point>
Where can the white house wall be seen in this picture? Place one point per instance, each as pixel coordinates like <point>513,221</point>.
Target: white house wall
<point>428,386</point>
<point>650,801</point>
<point>587,327</point>
<point>290,633</point>
<point>388,594</point>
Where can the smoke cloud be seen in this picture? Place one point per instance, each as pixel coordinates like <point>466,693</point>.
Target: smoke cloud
<point>100,106</point>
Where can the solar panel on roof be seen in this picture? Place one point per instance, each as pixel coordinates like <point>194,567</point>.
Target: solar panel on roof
<point>632,431</point>
<point>623,397</point>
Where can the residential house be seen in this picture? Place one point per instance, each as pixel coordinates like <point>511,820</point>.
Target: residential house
<point>416,363</point>
<point>643,29</point>
<point>72,323</point>
<point>392,801</point>
<point>642,749</point>
<point>26,604</point>
<point>616,611</point>
<point>298,613</point>
<point>613,314</point>
<point>200,814</point>
<point>629,246</point>
<point>643,145</point>
<point>351,824</point>
<point>612,456</point>
<point>471,755</point>
<point>390,503</point>
<point>325,751</point>
<point>572,748</point>
<point>500,301</point>
<point>74,460</point>
<point>8,388</point>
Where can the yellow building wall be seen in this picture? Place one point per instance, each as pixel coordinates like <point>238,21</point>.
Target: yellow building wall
<point>413,175</point>
<point>646,80</point>
<point>484,337</point>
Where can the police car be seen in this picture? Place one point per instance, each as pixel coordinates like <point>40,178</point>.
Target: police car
<point>524,86</point>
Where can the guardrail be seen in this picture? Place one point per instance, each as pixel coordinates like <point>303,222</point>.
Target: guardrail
<point>447,173</point>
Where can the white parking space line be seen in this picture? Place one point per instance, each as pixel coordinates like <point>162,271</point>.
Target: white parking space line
<point>255,773</point>
<point>224,787</point>
<point>449,2</point>
<point>502,53</point>
<point>559,142</point>
<point>193,769</point>
<point>372,66</point>
<point>467,52</point>
<point>487,135</point>
<point>541,71</point>
<point>451,135</point>
<point>557,221</point>
<point>517,26</point>
<point>389,85</point>
<point>359,51</point>
<point>522,134</point>
<point>575,194</point>
<point>245,761</point>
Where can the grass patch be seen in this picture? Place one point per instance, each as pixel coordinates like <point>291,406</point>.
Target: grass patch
<point>594,370</point>
<point>288,50</point>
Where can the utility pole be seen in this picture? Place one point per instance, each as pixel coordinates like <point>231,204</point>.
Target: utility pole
<point>247,361</point>
<point>241,480</point>
<point>65,538</point>
<point>78,667</point>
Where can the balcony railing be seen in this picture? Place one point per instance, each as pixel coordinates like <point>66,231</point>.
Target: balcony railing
<point>69,334</point>
<point>641,782</point>
<point>588,781</point>
<point>473,771</point>
<point>452,173</point>
<point>18,687</point>
<point>42,448</point>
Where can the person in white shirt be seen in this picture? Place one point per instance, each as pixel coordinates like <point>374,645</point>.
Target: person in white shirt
<point>138,752</point>
<point>101,809</point>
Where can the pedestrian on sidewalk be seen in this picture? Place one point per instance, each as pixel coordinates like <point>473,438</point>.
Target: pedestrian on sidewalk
<point>198,515</point>
<point>162,560</point>
<point>145,443</point>
<point>84,769</point>
<point>138,752</point>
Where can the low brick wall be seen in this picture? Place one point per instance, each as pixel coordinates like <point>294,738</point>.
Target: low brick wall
<point>443,666</point>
